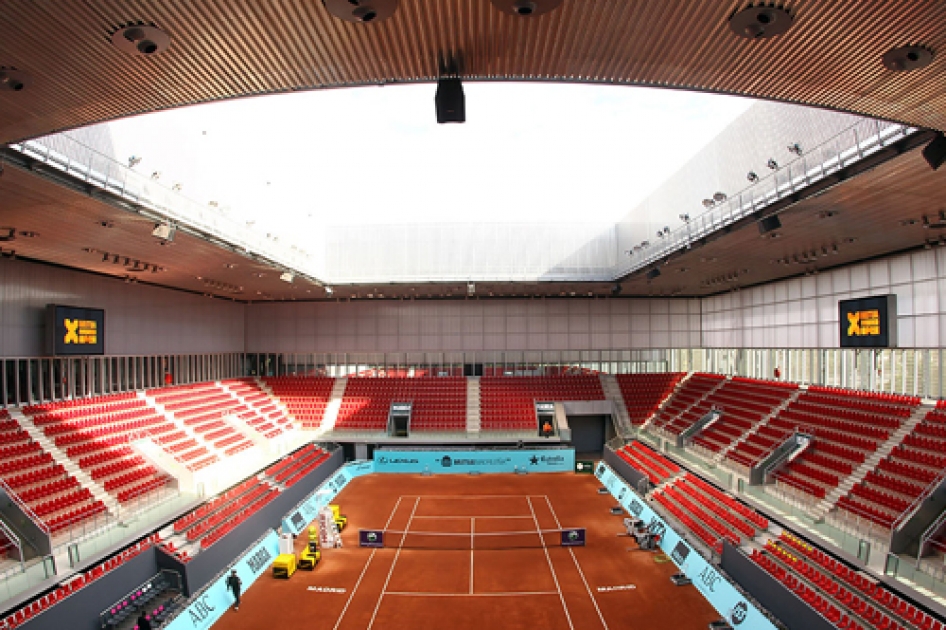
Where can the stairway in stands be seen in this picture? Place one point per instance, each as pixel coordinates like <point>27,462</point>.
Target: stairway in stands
<point>612,391</point>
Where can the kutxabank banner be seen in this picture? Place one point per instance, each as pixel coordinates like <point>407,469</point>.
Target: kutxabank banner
<point>484,461</point>
<point>717,590</point>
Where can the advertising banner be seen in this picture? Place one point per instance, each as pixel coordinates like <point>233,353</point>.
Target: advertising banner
<point>207,607</point>
<point>717,590</point>
<point>307,511</point>
<point>370,538</point>
<point>549,460</point>
<point>573,537</point>
<point>584,466</point>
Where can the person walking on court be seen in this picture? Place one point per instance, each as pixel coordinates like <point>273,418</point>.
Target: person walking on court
<point>143,622</point>
<point>234,583</point>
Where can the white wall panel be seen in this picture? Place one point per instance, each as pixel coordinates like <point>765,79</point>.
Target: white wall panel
<point>140,320</point>
<point>538,325</point>
<point>804,311</point>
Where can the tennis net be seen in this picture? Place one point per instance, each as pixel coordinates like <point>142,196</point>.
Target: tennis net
<point>529,539</point>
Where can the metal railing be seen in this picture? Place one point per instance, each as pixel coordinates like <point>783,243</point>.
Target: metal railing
<point>911,509</point>
<point>24,507</point>
<point>153,199</point>
<point>848,147</point>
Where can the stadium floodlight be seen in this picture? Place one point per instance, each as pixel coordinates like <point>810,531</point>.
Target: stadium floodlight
<point>685,218</point>
<point>752,177</point>
<point>719,197</point>
<point>772,164</point>
<point>134,161</point>
<point>795,148</point>
<point>708,203</point>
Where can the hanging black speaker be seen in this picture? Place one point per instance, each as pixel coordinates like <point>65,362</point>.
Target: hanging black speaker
<point>451,104</point>
<point>935,152</point>
<point>768,224</point>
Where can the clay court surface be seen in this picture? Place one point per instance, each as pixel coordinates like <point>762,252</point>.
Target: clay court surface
<point>550,587</point>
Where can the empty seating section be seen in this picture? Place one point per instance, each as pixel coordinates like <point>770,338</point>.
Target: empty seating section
<point>203,408</point>
<point>438,403</point>
<point>848,426</point>
<point>97,436</point>
<point>294,467</point>
<point>643,393</point>
<point>902,476</point>
<point>848,598</point>
<point>213,520</point>
<point>648,462</point>
<point>711,514</point>
<point>686,405</point>
<point>305,397</point>
<point>743,403</point>
<point>258,409</point>
<point>55,496</point>
<point>507,403</point>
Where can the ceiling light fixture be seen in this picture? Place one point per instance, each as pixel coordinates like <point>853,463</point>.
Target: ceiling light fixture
<point>361,11</point>
<point>526,8</point>
<point>795,148</point>
<point>752,177</point>
<point>772,164</point>
<point>760,22</point>
<point>907,58</point>
<point>141,39</point>
<point>12,80</point>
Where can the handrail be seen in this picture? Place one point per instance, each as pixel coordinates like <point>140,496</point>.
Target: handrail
<point>26,509</point>
<point>771,188</point>
<point>911,509</point>
<point>159,202</point>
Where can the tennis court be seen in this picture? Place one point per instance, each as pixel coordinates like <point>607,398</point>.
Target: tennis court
<point>477,552</point>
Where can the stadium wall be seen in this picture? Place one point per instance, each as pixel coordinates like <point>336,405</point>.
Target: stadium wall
<point>790,609</point>
<point>473,325</point>
<point>139,319</point>
<point>80,611</point>
<point>211,561</point>
<point>803,312</point>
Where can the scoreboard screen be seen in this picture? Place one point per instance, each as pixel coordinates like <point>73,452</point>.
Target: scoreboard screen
<point>74,331</point>
<point>868,322</point>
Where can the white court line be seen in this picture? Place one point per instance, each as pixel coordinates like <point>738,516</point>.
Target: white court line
<point>393,564</point>
<point>472,529</point>
<point>551,568</point>
<point>365,570</point>
<point>469,517</point>
<point>578,566</point>
<point>519,594</point>
<point>461,497</point>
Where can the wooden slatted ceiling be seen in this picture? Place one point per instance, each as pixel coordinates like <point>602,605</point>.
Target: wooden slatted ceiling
<point>229,48</point>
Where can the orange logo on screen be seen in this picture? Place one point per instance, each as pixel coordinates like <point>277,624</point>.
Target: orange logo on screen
<point>81,332</point>
<point>863,324</point>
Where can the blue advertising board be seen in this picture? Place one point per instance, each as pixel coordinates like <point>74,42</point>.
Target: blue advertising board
<point>207,607</point>
<point>717,590</point>
<point>547,460</point>
<point>306,512</point>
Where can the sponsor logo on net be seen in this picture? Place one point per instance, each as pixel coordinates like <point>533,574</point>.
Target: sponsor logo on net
<point>739,613</point>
